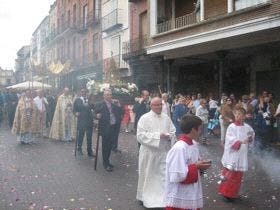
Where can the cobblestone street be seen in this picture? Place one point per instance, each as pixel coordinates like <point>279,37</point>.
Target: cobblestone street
<point>46,175</point>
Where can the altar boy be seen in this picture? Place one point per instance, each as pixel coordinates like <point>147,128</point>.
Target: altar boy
<point>235,162</point>
<point>183,188</point>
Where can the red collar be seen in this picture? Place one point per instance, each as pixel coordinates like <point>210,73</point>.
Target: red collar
<point>186,139</point>
<point>238,123</point>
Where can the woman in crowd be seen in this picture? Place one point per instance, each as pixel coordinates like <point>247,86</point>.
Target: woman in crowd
<point>179,110</point>
<point>227,117</point>
<point>203,114</point>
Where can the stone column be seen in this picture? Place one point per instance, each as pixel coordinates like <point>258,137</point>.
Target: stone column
<point>230,5</point>
<point>153,17</point>
<point>201,10</point>
<point>173,14</point>
<point>221,55</point>
<point>169,69</point>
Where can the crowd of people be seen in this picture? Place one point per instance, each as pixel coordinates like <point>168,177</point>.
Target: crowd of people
<point>168,133</point>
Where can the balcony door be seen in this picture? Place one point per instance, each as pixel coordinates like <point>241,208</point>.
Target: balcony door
<point>143,30</point>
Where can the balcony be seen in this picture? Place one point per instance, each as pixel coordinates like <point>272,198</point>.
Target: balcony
<point>179,22</point>
<point>134,47</point>
<point>112,20</point>
<point>93,17</point>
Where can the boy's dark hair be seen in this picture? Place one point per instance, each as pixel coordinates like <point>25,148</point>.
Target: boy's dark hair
<point>188,122</point>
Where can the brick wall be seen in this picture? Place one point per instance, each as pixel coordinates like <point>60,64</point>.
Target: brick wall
<point>215,7</point>
<point>136,9</point>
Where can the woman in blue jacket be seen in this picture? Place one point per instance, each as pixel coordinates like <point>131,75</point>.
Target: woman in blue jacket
<point>179,111</point>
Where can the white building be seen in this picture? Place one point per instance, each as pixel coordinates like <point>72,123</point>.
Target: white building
<point>115,31</point>
<point>6,77</point>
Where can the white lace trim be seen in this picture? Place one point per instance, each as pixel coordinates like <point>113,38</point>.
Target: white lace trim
<point>184,204</point>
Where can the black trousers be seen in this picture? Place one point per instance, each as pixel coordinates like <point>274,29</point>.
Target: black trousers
<point>11,116</point>
<point>81,133</point>
<point>116,137</point>
<point>107,143</point>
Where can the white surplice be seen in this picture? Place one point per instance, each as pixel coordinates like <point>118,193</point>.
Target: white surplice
<point>40,103</point>
<point>152,157</point>
<point>185,196</point>
<point>237,158</point>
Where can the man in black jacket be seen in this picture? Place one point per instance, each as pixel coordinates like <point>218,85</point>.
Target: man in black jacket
<point>109,115</point>
<point>12,101</point>
<point>141,106</point>
<point>84,112</point>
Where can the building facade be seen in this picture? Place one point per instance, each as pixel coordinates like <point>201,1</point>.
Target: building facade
<point>66,48</point>
<point>115,30</point>
<point>7,77</point>
<point>204,46</point>
<point>22,64</point>
<point>216,46</point>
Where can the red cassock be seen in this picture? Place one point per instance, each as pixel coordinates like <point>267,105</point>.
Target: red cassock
<point>231,185</point>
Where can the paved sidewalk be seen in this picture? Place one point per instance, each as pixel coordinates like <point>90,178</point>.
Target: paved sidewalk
<point>46,175</point>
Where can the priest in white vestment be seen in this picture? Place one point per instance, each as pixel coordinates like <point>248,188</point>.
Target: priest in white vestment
<point>156,134</point>
<point>63,126</point>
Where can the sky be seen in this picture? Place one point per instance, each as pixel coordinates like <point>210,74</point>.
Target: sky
<point>18,20</point>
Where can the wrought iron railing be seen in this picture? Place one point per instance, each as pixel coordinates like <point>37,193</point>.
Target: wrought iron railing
<point>179,22</point>
<point>112,19</point>
<point>93,17</point>
<point>134,47</point>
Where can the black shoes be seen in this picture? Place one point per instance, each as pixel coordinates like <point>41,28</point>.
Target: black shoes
<point>112,166</point>
<point>117,151</point>
<point>108,168</point>
<point>80,152</point>
<point>91,154</point>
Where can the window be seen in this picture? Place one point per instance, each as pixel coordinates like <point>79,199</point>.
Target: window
<point>68,18</point>
<point>95,46</point>
<point>241,4</point>
<point>68,49</point>
<point>115,49</point>
<point>74,49</point>
<point>96,9</point>
<point>85,51</point>
<point>115,46</point>
<point>74,14</point>
<point>85,10</point>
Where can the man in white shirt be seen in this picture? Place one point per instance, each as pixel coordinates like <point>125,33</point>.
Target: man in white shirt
<point>41,104</point>
<point>165,104</point>
<point>155,133</point>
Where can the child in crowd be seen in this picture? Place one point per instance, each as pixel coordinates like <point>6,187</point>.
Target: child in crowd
<point>235,161</point>
<point>184,167</point>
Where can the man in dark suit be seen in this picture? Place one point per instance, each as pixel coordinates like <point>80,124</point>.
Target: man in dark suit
<point>109,115</point>
<point>142,106</point>
<point>84,112</point>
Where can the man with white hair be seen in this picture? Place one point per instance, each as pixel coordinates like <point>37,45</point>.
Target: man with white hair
<point>155,133</point>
